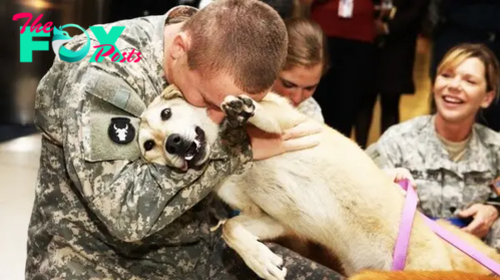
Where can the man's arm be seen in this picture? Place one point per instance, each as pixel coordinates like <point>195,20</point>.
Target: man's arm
<point>132,198</point>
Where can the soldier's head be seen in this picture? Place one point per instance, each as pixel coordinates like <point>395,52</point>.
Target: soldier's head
<point>467,81</point>
<point>229,47</point>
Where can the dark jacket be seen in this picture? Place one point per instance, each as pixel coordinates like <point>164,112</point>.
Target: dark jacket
<point>396,50</point>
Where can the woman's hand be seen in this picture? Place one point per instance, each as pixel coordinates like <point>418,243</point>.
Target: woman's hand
<point>399,174</point>
<point>303,136</point>
<point>484,217</point>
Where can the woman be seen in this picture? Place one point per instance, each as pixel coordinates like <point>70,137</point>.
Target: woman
<point>306,63</point>
<point>452,158</point>
<point>451,22</point>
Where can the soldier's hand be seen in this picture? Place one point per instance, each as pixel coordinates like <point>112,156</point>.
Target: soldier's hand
<point>302,136</point>
<point>484,217</point>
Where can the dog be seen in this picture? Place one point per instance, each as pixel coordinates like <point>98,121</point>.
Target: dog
<point>332,194</point>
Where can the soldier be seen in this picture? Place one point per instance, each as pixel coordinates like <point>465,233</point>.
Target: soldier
<point>100,211</point>
<point>452,159</point>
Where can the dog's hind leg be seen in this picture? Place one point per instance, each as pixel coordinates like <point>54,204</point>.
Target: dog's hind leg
<point>243,233</point>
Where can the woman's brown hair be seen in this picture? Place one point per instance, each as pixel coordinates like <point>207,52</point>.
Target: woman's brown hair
<point>307,45</point>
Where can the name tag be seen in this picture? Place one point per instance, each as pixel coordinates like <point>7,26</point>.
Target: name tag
<point>345,8</point>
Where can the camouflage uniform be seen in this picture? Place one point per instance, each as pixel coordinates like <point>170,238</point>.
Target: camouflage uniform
<point>443,185</point>
<point>101,212</point>
<point>311,108</point>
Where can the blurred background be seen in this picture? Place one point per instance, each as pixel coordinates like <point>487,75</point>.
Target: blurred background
<point>18,81</point>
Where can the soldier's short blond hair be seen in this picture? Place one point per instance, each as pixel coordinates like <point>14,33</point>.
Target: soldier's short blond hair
<point>461,52</point>
<point>246,39</point>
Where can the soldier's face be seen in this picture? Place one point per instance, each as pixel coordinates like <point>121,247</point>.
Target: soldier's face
<point>209,93</point>
<point>197,89</point>
<point>460,92</point>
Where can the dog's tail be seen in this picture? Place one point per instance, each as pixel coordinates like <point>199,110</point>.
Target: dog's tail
<point>419,275</point>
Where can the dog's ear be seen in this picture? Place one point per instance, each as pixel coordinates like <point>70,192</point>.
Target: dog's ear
<point>171,92</point>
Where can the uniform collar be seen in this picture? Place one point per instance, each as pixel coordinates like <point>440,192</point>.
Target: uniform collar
<point>436,156</point>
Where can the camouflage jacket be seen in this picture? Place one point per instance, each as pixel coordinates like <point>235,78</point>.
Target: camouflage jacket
<point>443,186</point>
<point>311,108</point>
<point>100,210</point>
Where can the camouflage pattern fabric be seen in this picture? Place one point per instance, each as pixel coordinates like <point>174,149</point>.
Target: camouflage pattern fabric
<point>443,186</point>
<point>311,108</point>
<point>100,211</point>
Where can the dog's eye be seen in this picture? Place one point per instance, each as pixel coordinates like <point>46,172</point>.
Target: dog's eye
<point>165,114</point>
<point>148,145</point>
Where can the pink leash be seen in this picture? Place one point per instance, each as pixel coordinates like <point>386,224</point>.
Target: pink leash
<point>401,249</point>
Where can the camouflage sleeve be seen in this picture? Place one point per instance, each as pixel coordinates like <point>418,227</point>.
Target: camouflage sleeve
<point>494,198</point>
<point>311,108</point>
<point>132,198</point>
<point>385,152</point>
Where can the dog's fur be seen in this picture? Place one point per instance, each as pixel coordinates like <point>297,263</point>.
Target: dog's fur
<point>332,194</point>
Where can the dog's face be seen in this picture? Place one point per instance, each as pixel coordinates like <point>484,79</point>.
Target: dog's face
<point>174,133</point>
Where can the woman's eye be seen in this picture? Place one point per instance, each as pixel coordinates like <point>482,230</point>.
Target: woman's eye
<point>148,145</point>
<point>166,114</point>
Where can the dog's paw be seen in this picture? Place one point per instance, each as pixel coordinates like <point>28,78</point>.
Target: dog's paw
<point>238,109</point>
<point>264,262</point>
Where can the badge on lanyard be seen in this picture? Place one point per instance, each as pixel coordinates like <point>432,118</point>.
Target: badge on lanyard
<point>345,8</point>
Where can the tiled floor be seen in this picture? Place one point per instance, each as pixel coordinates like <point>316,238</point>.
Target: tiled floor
<point>18,170</point>
<point>19,163</point>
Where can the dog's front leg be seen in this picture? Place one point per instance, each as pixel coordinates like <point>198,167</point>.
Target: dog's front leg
<point>243,233</point>
<point>240,109</point>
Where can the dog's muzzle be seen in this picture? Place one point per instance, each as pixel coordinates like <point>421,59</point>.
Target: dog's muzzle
<point>185,148</point>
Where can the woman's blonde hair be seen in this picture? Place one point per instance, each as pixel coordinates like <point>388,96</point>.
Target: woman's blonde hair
<point>306,44</point>
<point>464,51</point>
<point>460,53</point>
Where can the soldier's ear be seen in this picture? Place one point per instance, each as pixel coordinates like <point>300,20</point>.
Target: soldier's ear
<point>171,92</point>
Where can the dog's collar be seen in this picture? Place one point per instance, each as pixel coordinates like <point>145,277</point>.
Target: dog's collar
<point>405,231</point>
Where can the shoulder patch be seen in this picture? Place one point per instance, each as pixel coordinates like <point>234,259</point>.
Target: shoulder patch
<point>121,131</point>
<point>111,136</point>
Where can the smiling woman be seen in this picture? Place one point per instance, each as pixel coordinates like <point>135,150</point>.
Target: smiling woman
<point>467,82</point>
<point>453,159</point>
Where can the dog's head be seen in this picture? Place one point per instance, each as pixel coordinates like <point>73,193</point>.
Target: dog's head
<point>174,133</point>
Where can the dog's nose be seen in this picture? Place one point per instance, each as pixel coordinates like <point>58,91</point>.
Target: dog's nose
<point>177,145</point>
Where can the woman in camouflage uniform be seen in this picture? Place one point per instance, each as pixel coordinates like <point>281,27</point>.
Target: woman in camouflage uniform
<point>453,159</point>
<point>306,62</point>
